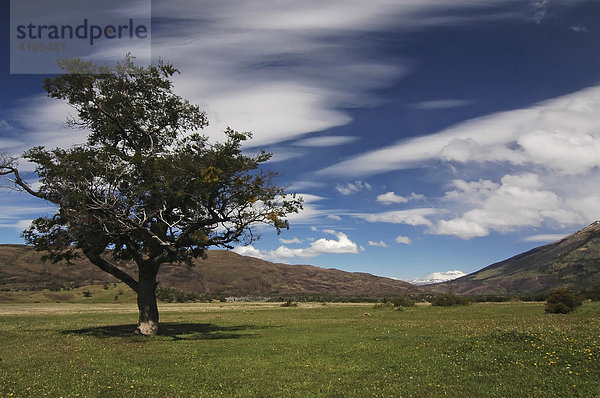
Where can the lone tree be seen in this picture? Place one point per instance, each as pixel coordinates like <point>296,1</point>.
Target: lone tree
<point>145,187</point>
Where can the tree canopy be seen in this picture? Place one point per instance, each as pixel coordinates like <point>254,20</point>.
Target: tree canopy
<point>146,186</point>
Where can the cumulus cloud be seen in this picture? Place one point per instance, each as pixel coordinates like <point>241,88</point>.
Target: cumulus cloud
<point>352,187</point>
<point>341,245</point>
<point>378,244</point>
<point>405,240</point>
<point>518,201</point>
<point>391,198</point>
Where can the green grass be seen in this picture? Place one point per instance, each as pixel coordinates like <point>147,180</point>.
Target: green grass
<point>264,350</point>
<point>98,293</point>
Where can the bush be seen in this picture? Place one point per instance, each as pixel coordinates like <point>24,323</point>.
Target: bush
<point>87,293</point>
<point>561,301</point>
<point>403,301</point>
<point>447,300</point>
<point>289,303</point>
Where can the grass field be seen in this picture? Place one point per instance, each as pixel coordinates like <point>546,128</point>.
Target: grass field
<point>264,350</point>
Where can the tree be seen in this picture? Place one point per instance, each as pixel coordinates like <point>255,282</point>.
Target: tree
<point>145,187</point>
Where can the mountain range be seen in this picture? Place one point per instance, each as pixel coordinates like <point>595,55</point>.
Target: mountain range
<point>572,262</point>
<point>222,272</point>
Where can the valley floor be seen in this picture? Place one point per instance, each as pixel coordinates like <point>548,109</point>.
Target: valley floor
<point>313,350</point>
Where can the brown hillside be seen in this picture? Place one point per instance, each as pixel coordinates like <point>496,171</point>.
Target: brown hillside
<point>572,262</point>
<point>223,272</point>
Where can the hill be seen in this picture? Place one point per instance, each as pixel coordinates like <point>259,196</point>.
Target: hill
<point>572,262</point>
<point>223,272</point>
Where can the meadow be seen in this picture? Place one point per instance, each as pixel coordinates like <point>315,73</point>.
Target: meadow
<point>313,350</point>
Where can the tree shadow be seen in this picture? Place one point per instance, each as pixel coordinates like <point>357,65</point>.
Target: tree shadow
<point>175,331</point>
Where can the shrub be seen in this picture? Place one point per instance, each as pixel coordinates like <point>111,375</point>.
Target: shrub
<point>289,303</point>
<point>447,300</point>
<point>561,301</point>
<point>87,293</point>
<point>403,301</point>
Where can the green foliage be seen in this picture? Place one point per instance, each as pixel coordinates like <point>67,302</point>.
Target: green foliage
<point>447,300</point>
<point>561,301</point>
<point>170,295</point>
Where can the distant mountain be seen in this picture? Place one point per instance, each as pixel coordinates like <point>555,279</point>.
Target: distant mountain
<point>572,262</point>
<point>437,277</point>
<point>223,272</point>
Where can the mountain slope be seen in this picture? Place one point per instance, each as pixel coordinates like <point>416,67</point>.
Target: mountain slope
<point>572,262</point>
<point>223,272</point>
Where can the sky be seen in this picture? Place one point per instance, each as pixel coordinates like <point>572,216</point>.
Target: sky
<point>425,136</point>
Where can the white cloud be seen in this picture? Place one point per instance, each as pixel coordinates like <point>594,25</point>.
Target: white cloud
<point>19,225</point>
<point>539,11</point>
<point>349,188</point>
<point>334,217</point>
<point>412,217</point>
<point>544,238</point>
<point>279,69</point>
<point>391,198</point>
<point>378,244</point>
<point>4,125</point>
<point>311,210</point>
<point>403,240</point>
<point>289,241</point>
<point>518,201</point>
<point>579,29</point>
<point>341,245</point>
<point>559,135</point>
<point>325,141</point>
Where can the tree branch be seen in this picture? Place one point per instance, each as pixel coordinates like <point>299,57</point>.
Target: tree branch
<point>9,169</point>
<point>106,266</point>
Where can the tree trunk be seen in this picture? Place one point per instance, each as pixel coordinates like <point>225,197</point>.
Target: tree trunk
<point>148,323</point>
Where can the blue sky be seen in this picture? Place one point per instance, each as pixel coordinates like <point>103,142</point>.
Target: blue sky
<point>425,136</point>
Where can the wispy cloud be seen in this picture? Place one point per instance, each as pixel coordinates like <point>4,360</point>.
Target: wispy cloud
<point>412,217</point>
<point>352,187</point>
<point>559,135</point>
<point>326,141</point>
<point>289,241</point>
<point>377,244</point>
<point>543,238</point>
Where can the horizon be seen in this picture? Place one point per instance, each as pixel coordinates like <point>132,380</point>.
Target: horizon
<point>425,138</point>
